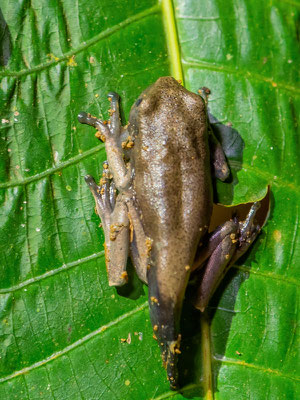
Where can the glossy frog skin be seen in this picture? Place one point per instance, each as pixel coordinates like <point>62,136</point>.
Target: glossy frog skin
<point>155,204</point>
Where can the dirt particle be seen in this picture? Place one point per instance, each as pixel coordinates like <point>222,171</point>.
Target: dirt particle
<point>154,299</point>
<point>124,276</point>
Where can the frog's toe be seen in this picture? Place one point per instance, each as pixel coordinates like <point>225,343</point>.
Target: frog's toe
<point>113,96</point>
<point>82,117</point>
<point>95,189</point>
<point>85,118</point>
<point>108,188</point>
<point>90,181</point>
<point>204,92</point>
<point>112,194</point>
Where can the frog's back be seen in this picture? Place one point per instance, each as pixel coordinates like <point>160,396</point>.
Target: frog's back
<point>172,175</point>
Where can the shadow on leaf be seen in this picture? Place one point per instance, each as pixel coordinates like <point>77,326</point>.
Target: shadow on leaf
<point>5,41</point>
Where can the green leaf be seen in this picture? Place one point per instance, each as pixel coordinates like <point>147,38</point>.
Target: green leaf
<point>61,324</point>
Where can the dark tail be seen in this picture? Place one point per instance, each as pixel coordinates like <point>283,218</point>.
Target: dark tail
<point>165,318</point>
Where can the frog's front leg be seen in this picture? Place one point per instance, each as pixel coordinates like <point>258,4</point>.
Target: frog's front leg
<point>225,245</point>
<point>116,260</point>
<point>113,213</point>
<point>110,133</point>
<point>140,244</point>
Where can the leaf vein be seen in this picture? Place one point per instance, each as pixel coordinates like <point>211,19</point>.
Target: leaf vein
<point>52,272</point>
<point>52,170</point>
<point>184,390</point>
<point>257,367</point>
<point>289,281</point>
<point>240,72</point>
<point>74,345</point>
<point>102,35</point>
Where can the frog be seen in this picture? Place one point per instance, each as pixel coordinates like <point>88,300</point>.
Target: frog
<point>155,201</point>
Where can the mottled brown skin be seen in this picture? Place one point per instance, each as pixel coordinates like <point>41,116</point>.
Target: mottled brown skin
<point>174,193</point>
<point>161,167</point>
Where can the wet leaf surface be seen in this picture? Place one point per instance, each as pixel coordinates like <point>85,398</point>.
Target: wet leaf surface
<point>61,324</point>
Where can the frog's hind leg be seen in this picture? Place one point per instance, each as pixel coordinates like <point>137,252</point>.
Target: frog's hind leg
<point>112,211</point>
<point>220,166</point>
<point>225,245</point>
<point>219,163</point>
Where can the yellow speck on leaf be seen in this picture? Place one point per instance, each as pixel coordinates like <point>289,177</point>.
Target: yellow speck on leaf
<point>53,57</point>
<point>71,62</point>
<point>277,235</point>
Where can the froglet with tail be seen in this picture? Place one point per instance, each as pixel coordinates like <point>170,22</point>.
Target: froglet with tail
<point>155,203</point>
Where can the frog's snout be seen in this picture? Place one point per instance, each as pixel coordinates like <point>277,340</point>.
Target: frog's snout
<point>89,180</point>
<point>82,117</point>
<point>85,118</point>
<point>113,95</point>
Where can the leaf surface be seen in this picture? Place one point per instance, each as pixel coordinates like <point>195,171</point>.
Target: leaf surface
<point>62,326</point>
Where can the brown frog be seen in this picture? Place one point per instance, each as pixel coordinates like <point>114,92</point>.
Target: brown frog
<point>155,203</point>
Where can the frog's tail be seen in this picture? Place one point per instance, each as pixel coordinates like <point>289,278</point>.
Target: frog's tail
<point>165,321</point>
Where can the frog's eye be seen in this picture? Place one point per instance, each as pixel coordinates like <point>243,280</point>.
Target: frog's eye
<point>138,102</point>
